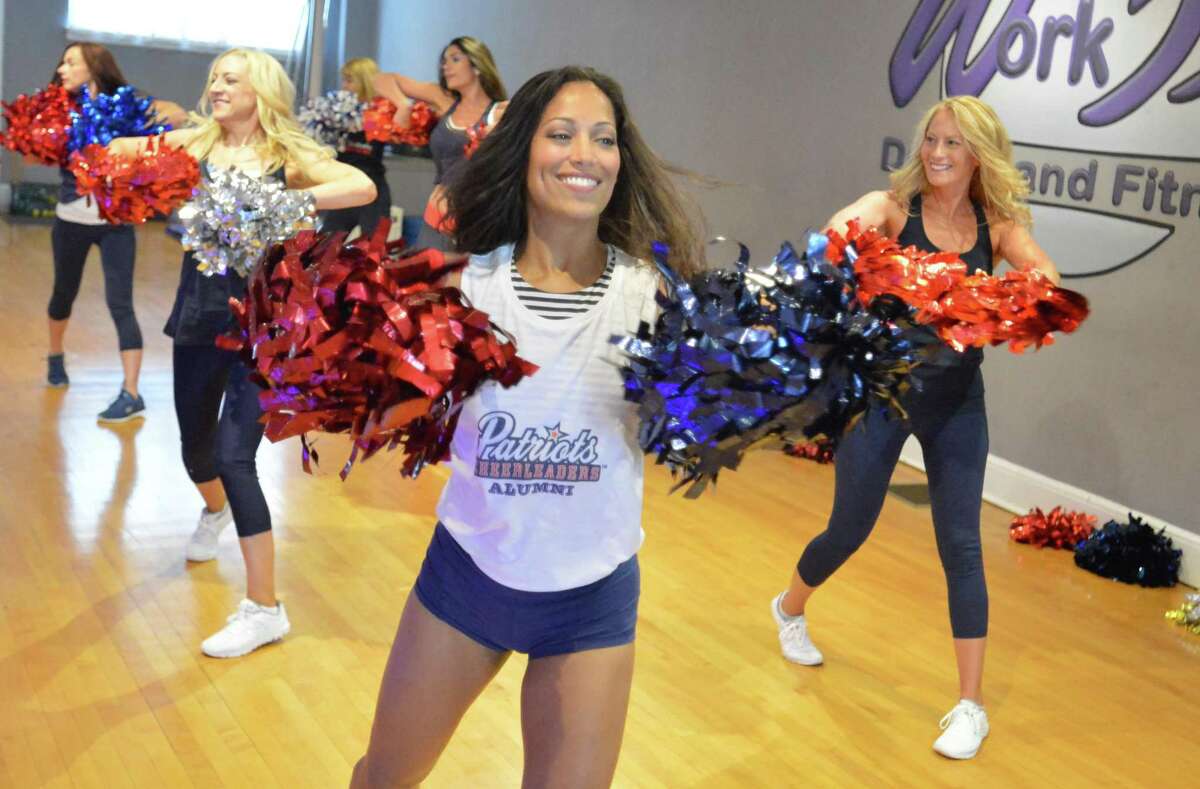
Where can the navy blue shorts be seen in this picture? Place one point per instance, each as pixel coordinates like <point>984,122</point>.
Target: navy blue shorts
<point>541,624</point>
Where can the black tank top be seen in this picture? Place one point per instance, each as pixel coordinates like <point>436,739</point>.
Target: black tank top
<point>977,258</point>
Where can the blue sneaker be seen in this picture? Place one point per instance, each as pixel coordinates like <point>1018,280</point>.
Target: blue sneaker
<point>56,371</point>
<point>124,408</point>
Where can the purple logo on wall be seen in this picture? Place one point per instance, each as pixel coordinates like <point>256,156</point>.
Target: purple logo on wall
<point>1099,102</point>
<point>1016,45</point>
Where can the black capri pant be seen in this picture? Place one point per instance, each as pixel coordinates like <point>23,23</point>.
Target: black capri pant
<point>950,420</point>
<point>221,440</point>
<point>71,242</point>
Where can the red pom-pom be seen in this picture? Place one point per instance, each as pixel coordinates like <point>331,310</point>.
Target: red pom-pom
<point>1021,308</point>
<point>359,339</point>
<point>820,451</point>
<point>379,123</point>
<point>882,267</point>
<point>475,135</point>
<point>133,189</point>
<point>1060,529</point>
<point>39,125</point>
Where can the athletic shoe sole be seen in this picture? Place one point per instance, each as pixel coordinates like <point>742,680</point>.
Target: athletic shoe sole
<point>248,651</point>
<point>958,756</point>
<point>116,420</point>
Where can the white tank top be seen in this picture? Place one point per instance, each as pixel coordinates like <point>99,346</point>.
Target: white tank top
<point>545,489</point>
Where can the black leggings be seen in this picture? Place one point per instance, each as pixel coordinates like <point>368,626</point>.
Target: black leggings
<point>950,421</point>
<point>221,441</point>
<point>71,242</point>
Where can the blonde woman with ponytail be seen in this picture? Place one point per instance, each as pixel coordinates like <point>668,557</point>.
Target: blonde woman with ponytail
<point>961,193</point>
<point>358,77</point>
<point>244,122</point>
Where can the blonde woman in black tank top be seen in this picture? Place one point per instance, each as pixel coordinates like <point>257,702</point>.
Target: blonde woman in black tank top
<point>960,193</point>
<point>246,125</point>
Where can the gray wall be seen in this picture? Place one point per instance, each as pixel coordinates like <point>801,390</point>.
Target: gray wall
<point>725,89</point>
<point>790,102</point>
<point>353,33</point>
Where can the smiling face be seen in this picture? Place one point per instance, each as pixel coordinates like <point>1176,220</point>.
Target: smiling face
<point>229,90</point>
<point>573,159</point>
<point>73,71</point>
<point>457,70</point>
<point>947,159</point>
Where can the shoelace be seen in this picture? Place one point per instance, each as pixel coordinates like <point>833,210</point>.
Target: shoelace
<point>790,629</point>
<point>971,713</point>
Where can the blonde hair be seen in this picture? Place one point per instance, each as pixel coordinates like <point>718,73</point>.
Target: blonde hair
<point>997,183</point>
<point>360,72</point>
<point>481,58</point>
<point>284,141</point>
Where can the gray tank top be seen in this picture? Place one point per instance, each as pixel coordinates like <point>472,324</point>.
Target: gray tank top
<point>447,144</point>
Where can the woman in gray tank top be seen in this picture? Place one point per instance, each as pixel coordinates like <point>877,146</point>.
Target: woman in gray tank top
<point>469,95</point>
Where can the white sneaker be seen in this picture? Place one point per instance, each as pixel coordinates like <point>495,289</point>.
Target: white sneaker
<point>203,545</point>
<point>250,627</point>
<point>963,730</point>
<point>793,636</point>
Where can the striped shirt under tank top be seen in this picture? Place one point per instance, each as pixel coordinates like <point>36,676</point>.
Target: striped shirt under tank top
<point>562,305</point>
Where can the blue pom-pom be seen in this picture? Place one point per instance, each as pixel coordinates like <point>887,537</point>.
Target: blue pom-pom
<point>738,356</point>
<point>1132,552</point>
<point>100,119</point>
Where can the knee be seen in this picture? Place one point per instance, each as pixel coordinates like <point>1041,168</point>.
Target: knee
<point>120,309</point>
<point>824,555</point>
<point>59,308</point>
<point>843,542</point>
<point>199,464</point>
<point>961,555</point>
<point>232,468</point>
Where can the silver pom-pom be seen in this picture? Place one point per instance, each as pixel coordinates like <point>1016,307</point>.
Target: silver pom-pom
<point>233,218</point>
<point>331,118</point>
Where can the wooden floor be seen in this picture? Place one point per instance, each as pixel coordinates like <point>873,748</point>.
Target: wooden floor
<point>102,683</point>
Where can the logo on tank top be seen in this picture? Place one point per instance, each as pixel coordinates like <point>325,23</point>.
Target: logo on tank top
<point>543,459</point>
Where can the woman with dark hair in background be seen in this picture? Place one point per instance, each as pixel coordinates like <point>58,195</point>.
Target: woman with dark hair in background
<point>959,192</point>
<point>470,97</point>
<point>358,77</point>
<point>85,66</point>
<point>558,208</point>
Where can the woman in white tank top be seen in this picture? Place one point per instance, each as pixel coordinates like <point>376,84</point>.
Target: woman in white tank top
<point>541,518</point>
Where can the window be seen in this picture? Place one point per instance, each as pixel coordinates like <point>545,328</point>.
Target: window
<point>205,25</point>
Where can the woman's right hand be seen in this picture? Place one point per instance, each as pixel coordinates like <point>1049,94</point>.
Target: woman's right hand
<point>403,116</point>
